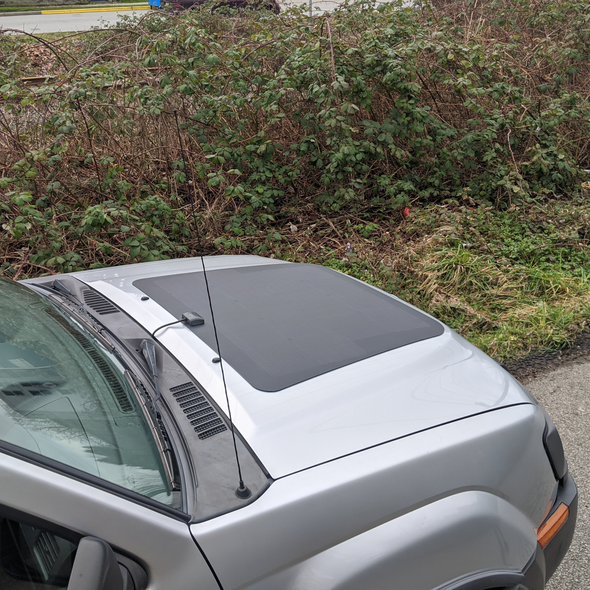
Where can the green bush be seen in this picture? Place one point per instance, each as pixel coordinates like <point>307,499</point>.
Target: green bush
<point>362,113</point>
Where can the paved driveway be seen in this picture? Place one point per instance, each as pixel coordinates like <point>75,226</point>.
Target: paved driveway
<point>565,394</point>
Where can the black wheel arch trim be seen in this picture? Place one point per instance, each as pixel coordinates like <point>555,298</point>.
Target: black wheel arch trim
<point>486,581</point>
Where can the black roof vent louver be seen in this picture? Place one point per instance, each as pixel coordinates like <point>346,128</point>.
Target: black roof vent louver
<point>98,303</point>
<point>202,415</point>
<point>121,398</point>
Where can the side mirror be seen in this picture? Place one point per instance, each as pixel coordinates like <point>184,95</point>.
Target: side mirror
<point>96,568</point>
<point>39,556</point>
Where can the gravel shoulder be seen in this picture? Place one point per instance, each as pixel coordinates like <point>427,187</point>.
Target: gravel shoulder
<point>541,363</point>
<point>561,382</point>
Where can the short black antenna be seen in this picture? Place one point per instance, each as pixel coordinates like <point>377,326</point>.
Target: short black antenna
<point>243,491</point>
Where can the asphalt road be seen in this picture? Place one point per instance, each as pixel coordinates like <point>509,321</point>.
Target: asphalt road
<point>565,394</point>
<point>56,23</point>
<point>83,21</point>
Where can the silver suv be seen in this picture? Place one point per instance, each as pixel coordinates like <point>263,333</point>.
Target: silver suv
<point>315,433</point>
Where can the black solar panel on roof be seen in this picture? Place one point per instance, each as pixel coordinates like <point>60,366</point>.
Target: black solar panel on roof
<point>281,324</point>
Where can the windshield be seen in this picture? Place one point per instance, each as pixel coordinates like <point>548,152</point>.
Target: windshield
<point>64,396</point>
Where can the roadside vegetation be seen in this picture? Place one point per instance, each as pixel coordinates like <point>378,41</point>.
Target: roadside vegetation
<point>437,152</point>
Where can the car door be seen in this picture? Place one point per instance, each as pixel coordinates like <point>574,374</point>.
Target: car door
<point>45,511</point>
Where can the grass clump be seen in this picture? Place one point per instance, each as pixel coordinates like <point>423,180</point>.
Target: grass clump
<point>513,282</point>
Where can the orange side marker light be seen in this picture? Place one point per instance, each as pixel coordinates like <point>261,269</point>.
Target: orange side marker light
<point>552,525</point>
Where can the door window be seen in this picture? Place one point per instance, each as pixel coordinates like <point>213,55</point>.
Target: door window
<point>33,558</point>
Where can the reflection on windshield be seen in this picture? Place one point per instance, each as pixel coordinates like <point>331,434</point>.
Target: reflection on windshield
<point>64,396</point>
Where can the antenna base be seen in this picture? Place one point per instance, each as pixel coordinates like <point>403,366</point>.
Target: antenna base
<point>243,492</point>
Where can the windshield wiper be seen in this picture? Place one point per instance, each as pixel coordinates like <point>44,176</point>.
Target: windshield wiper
<point>155,423</point>
<point>62,289</point>
<point>149,352</point>
<point>73,307</point>
<point>59,286</point>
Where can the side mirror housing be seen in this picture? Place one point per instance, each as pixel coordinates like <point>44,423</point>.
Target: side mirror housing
<point>96,568</point>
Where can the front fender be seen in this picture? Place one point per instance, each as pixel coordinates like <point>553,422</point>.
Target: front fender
<point>473,532</point>
<point>415,514</point>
